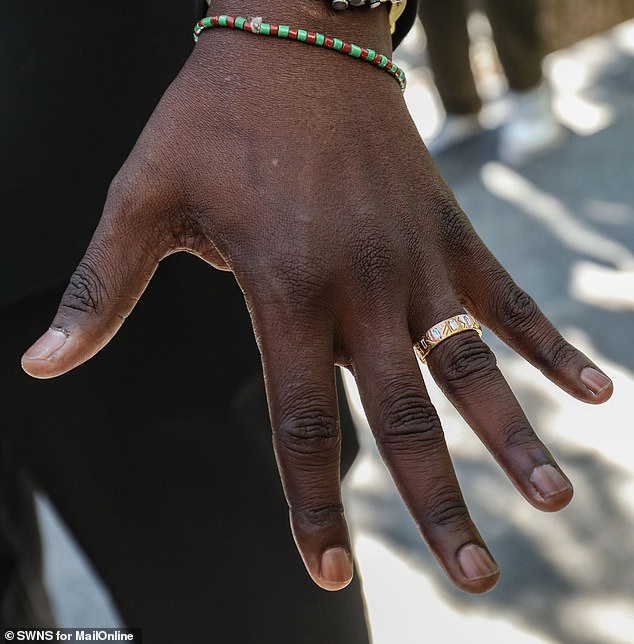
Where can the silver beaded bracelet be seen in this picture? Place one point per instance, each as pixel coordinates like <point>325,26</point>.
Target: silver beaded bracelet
<point>340,5</point>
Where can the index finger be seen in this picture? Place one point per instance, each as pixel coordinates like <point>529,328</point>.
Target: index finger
<point>410,439</point>
<point>300,386</point>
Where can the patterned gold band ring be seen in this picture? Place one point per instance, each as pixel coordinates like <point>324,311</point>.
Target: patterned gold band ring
<point>443,330</point>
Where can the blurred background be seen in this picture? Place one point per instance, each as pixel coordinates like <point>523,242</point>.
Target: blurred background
<point>561,221</point>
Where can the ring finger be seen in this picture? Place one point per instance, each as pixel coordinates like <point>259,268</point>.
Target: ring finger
<point>411,442</point>
<point>466,371</point>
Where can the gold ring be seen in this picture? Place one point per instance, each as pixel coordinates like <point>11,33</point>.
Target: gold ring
<point>443,330</point>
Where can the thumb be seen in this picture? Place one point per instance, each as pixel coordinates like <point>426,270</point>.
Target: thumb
<point>101,293</point>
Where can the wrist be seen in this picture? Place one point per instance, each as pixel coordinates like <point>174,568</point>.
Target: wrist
<point>246,72</point>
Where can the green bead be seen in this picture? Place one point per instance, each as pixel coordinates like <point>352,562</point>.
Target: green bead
<point>355,51</point>
<point>206,22</point>
<point>302,34</point>
<point>371,55</point>
<point>240,22</point>
<point>383,62</point>
<point>319,39</point>
<point>282,31</point>
<point>265,29</point>
<point>337,43</point>
<point>222,21</point>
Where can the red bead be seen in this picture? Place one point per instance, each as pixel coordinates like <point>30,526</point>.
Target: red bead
<point>311,37</point>
<point>292,34</point>
<point>214,21</point>
<point>364,53</point>
<point>328,42</point>
<point>346,48</point>
<point>274,30</point>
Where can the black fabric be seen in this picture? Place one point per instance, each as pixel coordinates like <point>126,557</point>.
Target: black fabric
<point>78,83</point>
<point>517,38</point>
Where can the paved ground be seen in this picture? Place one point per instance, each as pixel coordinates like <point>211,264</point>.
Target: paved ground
<point>563,226</point>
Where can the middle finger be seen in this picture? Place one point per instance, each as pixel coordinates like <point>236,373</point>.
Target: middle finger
<point>410,439</point>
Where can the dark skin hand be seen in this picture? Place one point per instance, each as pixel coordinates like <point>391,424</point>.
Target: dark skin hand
<point>300,171</point>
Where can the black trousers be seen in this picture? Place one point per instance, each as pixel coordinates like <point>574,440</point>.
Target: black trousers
<point>157,453</point>
<point>515,26</point>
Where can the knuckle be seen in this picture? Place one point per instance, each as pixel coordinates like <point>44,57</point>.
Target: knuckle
<point>465,363</point>
<point>119,185</point>
<point>312,433</point>
<point>408,418</point>
<point>137,187</point>
<point>298,275</point>
<point>149,205</point>
<point>455,229</point>
<point>290,282</point>
<point>86,290</point>
<point>560,354</point>
<point>374,256</point>
<point>447,510</point>
<point>518,435</point>
<point>124,193</point>
<point>317,517</point>
<point>518,309</point>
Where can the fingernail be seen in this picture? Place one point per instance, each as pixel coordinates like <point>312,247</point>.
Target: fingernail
<point>46,346</point>
<point>594,380</point>
<point>336,566</point>
<point>548,481</point>
<point>475,562</point>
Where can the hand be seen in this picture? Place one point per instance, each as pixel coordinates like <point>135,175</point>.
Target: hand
<point>300,171</point>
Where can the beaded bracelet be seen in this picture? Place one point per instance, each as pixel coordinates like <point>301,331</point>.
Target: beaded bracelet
<point>340,5</point>
<point>256,26</point>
